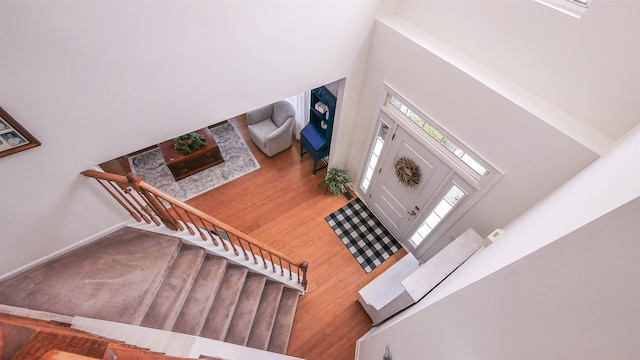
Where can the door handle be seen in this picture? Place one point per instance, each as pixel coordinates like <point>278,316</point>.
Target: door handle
<point>412,212</point>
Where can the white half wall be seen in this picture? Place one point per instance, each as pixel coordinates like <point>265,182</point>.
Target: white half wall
<point>94,80</point>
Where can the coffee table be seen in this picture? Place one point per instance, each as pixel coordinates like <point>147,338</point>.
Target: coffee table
<point>183,165</point>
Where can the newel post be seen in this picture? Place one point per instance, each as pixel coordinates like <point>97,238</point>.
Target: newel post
<point>304,267</point>
<point>167,220</point>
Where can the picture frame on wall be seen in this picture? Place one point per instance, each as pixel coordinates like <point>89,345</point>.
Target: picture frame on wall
<point>14,137</point>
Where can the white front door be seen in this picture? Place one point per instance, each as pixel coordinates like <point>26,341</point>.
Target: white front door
<point>395,203</point>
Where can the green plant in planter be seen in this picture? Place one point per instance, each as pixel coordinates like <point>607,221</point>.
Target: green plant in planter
<point>336,181</point>
<point>189,143</point>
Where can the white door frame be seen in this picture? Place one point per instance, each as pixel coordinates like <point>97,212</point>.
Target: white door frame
<point>460,173</point>
<point>396,205</point>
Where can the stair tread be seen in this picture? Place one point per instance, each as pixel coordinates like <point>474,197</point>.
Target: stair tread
<point>266,315</point>
<point>217,322</point>
<point>245,312</point>
<point>284,321</point>
<point>174,290</point>
<point>201,297</point>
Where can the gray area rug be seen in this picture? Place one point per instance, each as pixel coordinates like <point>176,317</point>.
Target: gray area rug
<point>238,161</point>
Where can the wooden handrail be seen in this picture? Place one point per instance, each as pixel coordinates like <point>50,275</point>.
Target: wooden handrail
<point>172,219</point>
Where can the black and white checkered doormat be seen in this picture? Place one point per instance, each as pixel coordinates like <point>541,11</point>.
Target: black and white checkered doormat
<point>363,234</point>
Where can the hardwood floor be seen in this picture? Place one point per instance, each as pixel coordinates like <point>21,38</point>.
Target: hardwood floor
<point>281,205</point>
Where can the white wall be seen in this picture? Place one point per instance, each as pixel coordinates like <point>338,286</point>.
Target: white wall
<point>535,157</point>
<point>565,285</point>
<point>561,282</point>
<point>587,67</point>
<point>93,80</point>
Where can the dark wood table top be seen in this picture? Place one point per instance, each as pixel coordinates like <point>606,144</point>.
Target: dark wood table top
<point>171,155</point>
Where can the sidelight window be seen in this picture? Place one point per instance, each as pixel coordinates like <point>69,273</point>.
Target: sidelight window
<point>444,207</point>
<point>383,130</point>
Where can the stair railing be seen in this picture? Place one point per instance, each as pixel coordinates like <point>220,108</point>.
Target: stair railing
<point>146,203</point>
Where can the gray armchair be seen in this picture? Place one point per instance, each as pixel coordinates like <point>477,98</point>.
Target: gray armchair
<point>271,127</point>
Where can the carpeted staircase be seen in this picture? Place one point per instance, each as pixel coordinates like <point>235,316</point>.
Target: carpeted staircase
<point>204,295</point>
<point>141,278</point>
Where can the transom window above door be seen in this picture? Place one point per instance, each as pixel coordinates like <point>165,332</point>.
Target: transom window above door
<point>575,8</point>
<point>422,122</point>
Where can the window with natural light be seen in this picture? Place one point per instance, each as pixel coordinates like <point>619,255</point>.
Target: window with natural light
<point>444,207</point>
<point>467,159</point>
<point>575,8</point>
<point>383,130</point>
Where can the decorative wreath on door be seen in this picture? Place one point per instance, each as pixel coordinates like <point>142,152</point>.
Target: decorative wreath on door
<point>407,172</point>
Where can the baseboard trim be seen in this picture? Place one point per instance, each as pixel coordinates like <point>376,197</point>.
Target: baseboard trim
<point>35,314</point>
<point>62,251</point>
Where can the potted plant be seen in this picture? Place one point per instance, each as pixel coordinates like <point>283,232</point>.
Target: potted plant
<point>189,143</point>
<point>336,180</point>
